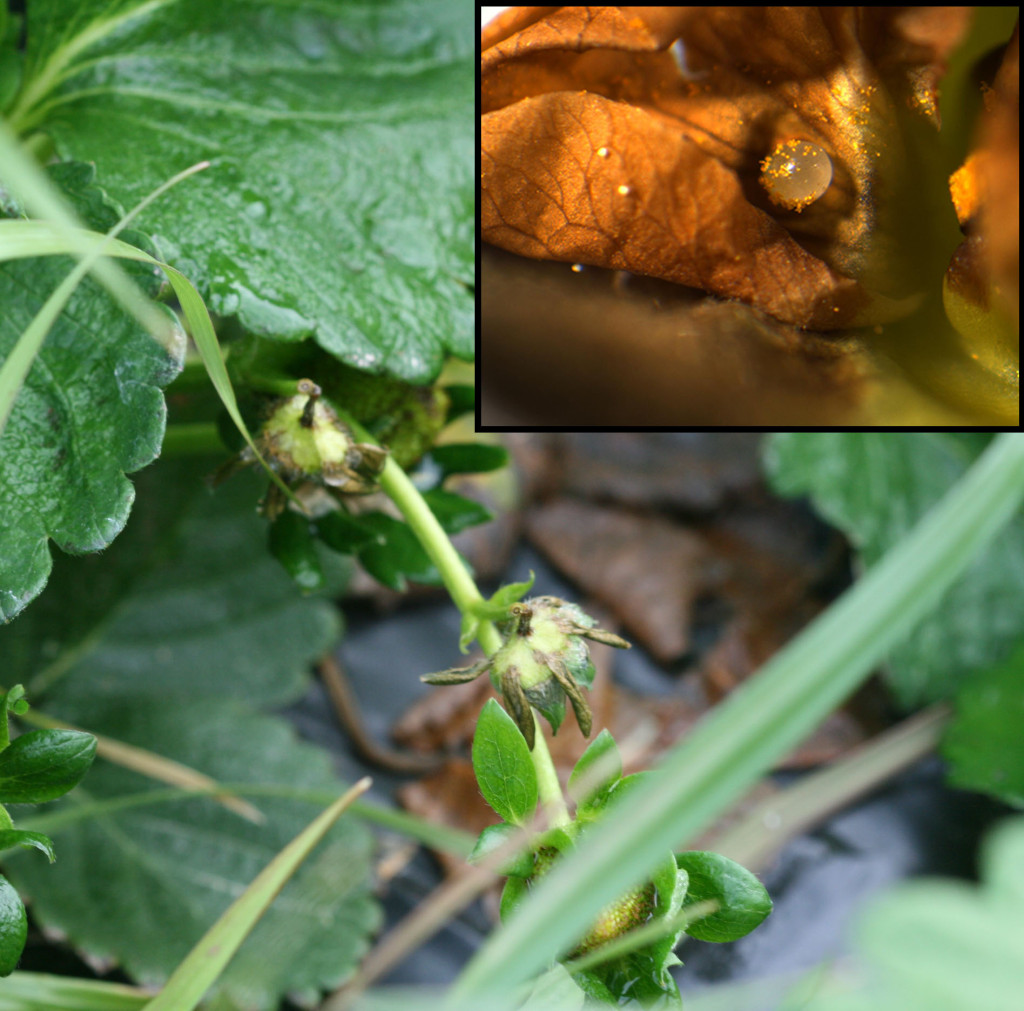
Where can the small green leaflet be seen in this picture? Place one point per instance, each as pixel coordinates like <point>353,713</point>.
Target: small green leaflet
<point>501,761</point>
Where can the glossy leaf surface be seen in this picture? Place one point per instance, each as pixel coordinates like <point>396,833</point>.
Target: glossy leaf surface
<point>44,764</point>
<point>340,201</point>
<point>29,840</point>
<point>13,927</point>
<point>597,770</point>
<point>90,411</point>
<point>743,901</point>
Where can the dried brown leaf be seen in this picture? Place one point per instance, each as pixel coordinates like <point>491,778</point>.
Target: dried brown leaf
<point>645,569</point>
<point>681,472</point>
<point>602,146</point>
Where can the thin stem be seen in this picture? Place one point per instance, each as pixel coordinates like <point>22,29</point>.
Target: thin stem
<point>346,706</point>
<point>5,733</point>
<point>396,485</point>
<point>149,763</point>
<point>430,833</point>
<point>549,789</point>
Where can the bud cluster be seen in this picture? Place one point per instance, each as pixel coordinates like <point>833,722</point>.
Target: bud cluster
<point>543,660</point>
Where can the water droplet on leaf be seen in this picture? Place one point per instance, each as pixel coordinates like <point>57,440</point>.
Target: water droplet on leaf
<point>796,174</point>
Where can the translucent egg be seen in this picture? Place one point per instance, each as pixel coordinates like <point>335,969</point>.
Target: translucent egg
<point>796,174</point>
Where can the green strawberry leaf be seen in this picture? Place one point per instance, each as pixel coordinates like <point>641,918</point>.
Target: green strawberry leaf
<point>185,604</point>
<point>344,533</point>
<point>504,770</point>
<point>44,764</point>
<point>875,487</point>
<point>10,56</point>
<point>983,743</point>
<point>623,787</point>
<point>397,556</point>
<point>461,399</point>
<point>169,641</point>
<point>13,927</point>
<point>30,840</point>
<point>512,895</point>
<point>340,200</point>
<point>495,608</point>
<point>455,512</point>
<point>90,411</point>
<point>505,596</point>
<point>742,899</point>
<point>494,836</point>
<point>468,458</point>
<point>291,542</point>
<point>141,885</point>
<point>599,768</point>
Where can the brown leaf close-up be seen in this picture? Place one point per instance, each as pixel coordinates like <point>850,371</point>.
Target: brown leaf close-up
<point>744,214</point>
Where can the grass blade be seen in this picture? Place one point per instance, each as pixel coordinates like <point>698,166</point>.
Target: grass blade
<point>31,184</point>
<point>200,968</point>
<point>736,743</point>
<point>23,354</point>
<point>20,238</point>
<point>39,991</point>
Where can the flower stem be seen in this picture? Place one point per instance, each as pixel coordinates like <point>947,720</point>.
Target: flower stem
<point>396,485</point>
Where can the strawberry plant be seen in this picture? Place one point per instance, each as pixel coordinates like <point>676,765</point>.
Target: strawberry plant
<point>236,305</point>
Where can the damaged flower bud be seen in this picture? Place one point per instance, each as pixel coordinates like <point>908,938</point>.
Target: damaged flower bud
<point>543,659</point>
<point>303,439</point>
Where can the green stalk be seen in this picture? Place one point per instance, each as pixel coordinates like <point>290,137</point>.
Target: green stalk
<point>396,485</point>
<point>739,741</point>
